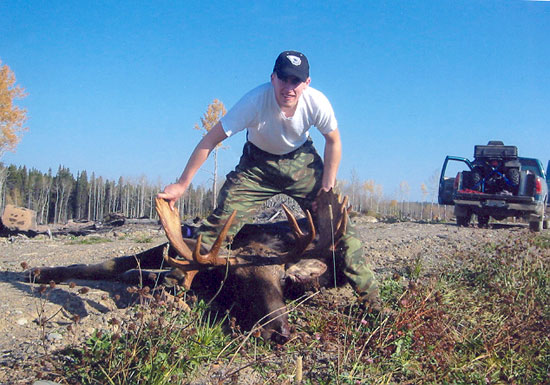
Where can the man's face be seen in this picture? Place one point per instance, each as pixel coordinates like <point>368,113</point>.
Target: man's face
<point>288,90</point>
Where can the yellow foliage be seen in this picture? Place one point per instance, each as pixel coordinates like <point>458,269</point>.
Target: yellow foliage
<point>12,117</point>
<point>213,114</point>
<point>424,189</point>
<point>369,186</point>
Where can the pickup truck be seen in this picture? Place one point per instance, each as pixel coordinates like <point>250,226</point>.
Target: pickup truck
<point>498,184</point>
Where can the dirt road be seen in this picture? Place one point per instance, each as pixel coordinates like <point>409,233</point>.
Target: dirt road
<point>390,248</point>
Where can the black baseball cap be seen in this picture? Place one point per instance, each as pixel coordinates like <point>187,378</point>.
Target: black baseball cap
<point>292,63</point>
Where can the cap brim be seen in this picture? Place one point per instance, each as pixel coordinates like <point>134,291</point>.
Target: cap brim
<point>289,71</point>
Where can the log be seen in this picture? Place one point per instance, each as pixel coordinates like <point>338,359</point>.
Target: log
<point>19,220</point>
<point>142,221</point>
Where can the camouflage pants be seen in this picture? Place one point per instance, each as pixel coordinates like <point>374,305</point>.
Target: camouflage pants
<point>260,176</point>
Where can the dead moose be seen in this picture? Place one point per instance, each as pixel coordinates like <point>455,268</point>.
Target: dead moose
<point>261,264</point>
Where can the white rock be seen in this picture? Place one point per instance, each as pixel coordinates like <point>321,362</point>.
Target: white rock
<point>54,337</point>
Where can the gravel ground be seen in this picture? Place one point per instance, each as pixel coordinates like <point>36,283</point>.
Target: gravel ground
<point>390,248</point>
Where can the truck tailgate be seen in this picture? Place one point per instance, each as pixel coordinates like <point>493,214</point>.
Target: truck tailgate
<point>477,196</point>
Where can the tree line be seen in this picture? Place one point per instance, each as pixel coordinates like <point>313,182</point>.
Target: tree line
<point>63,196</point>
<point>368,197</point>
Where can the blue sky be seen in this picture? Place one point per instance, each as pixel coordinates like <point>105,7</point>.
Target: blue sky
<point>115,88</point>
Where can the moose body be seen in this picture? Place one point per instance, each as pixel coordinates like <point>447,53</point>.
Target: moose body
<point>264,260</point>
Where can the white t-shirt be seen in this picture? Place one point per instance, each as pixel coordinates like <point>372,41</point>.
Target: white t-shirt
<point>268,127</point>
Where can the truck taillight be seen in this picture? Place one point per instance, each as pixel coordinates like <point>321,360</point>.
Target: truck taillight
<point>538,186</point>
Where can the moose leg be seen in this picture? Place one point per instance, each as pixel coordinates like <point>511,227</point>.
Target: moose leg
<point>110,269</point>
<point>168,278</point>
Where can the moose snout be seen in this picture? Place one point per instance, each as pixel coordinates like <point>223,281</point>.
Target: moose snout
<point>278,333</point>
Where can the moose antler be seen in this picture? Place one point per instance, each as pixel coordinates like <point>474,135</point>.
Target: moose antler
<point>302,240</point>
<point>331,217</point>
<point>172,227</point>
<point>193,260</point>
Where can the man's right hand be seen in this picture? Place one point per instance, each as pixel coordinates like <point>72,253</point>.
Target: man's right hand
<point>172,193</point>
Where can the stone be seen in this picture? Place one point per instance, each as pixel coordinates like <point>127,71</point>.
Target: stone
<point>54,337</point>
<point>22,321</point>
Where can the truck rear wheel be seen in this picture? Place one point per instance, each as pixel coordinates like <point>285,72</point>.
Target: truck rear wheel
<point>463,221</point>
<point>483,220</point>
<point>536,226</point>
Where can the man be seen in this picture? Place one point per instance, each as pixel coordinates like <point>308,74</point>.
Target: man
<point>278,157</point>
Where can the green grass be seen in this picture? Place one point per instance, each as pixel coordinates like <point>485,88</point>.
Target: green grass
<point>485,320</point>
<point>90,240</point>
<point>143,239</point>
<point>162,346</point>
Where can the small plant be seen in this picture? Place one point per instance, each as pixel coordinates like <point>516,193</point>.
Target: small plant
<point>143,239</point>
<point>43,293</point>
<point>162,346</point>
<point>542,241</point>
<point>90,240</point>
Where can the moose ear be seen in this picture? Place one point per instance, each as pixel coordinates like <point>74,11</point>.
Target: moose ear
<point>305,271</point>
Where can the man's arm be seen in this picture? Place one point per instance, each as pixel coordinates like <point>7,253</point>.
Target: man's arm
<point>332,156</point>
<point>174,191</point>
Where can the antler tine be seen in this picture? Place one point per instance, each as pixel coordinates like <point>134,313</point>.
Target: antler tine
<point>345,202</point>
<point>189,276</point>
<point>211,258</point>
<point>188,267</point>
<point>194,261</point>
<point>332,218</point>
<point>342,224</point>
<point>172,227</point>
<point>292,221</point>
<point>302,240</point>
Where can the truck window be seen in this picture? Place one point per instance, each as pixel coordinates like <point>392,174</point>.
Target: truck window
<point>454,167</point>
<point>530,165</point>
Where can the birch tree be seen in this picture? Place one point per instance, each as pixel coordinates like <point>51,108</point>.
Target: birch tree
<point>368,187</point>
<point>213,114</point>
<point>404,190</point>
<point>3,176</point>
<point>433,187</point>
<point>425,193</point>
